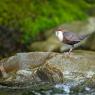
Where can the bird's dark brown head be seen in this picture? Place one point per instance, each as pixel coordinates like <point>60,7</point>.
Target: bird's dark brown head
<point>59,33</point>
<point>60,29</point>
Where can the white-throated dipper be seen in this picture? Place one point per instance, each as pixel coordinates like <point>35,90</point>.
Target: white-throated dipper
<point>68,37</point>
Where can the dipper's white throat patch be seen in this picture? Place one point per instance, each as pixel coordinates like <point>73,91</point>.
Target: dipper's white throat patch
<point>60,36</point>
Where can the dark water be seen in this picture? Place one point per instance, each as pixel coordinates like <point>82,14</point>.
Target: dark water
<point>69,88</point>
<point>72,85</point>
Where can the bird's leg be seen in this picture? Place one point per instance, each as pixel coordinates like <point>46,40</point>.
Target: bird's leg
<point>69,52</point>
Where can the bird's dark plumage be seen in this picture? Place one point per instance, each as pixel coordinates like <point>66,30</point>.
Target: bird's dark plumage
<point>69,38</point>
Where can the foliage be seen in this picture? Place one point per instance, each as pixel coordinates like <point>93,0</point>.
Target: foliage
<point>31,17</point>
<point>34,16</point>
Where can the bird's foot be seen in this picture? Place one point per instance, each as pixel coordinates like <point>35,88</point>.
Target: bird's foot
<point>68,54</point>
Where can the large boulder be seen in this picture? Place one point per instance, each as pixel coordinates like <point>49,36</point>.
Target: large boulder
<point>44,70</point>
<point>90,42</point>
<point>27,69</point>
<point>52,43</point>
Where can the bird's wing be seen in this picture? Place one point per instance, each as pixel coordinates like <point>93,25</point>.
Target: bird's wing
<point>70,36</point>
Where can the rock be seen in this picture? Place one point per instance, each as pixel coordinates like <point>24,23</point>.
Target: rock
<point>52,43</point>
<point>42,70</point>
<point>90,42</point>
<point>86,44</point>
<point>29,69</point>
<point>83,28</point>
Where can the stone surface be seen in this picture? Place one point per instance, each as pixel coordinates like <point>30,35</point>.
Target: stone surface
<point>90,42</point>
<point>52,44</point>
<point>38,70</point>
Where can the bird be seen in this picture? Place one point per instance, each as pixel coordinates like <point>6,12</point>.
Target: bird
<point>69,37</point>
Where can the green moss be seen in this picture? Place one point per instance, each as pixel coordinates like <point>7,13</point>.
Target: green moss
<point>34,16</point>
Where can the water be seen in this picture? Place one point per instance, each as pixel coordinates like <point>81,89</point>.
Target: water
<point>69,87</point>
<point>75,83</point>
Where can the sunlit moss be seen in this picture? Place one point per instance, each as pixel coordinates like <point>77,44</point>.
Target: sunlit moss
<point>34,16</point>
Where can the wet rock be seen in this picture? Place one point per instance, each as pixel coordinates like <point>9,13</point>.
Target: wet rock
<point>49,73</point>
<point>90,42</point>
<point>87,86</point>
<point>82,27</point>
<point>30,68</point>
<point>51,44</point>
<point>38,70</point>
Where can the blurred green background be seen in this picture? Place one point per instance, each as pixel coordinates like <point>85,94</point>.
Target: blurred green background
<point>25,21</point>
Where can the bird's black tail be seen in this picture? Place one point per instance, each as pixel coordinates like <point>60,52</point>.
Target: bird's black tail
<point>84,36</point>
